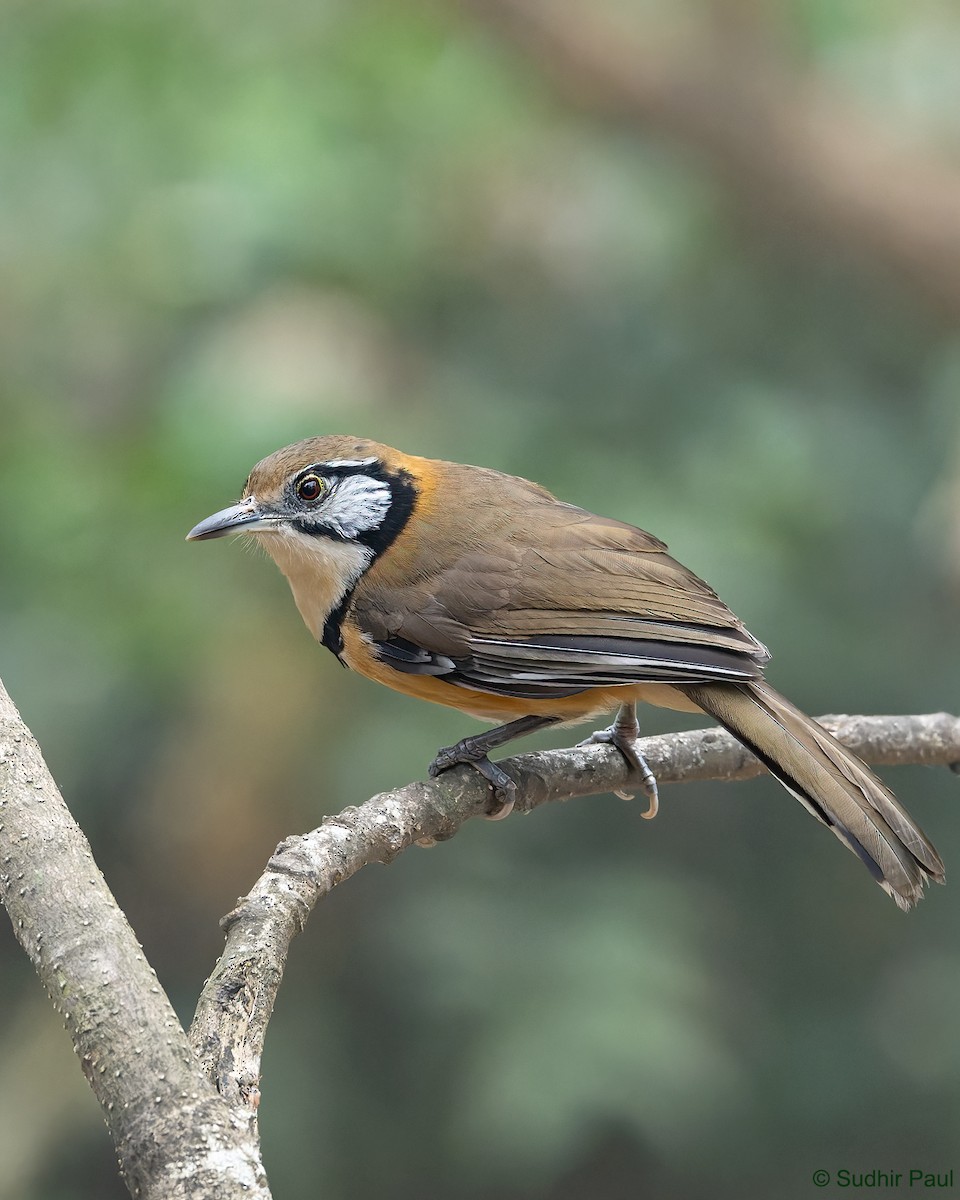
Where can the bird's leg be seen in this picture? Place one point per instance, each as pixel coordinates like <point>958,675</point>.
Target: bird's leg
<point>474,751</point>
<point>623,734</point>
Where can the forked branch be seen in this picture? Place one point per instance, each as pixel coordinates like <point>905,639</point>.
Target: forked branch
<point>176,1134</point>
<point>175,1137</point>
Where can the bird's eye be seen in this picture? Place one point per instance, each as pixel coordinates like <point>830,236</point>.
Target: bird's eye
<point>310,488</point>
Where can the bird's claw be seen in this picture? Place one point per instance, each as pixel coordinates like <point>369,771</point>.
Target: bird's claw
<point>623,734</point>
<point>503,787</point>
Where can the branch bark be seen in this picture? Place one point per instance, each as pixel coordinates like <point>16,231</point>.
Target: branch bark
<point>788,146</point>
<point>174,1135</point>
<point>182,1110</point>
<point>231,1018</point>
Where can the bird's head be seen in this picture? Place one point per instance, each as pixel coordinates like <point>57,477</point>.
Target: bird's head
<point>340,489</point>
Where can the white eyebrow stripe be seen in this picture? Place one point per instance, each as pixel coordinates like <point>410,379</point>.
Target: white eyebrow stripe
<point>350,462</point>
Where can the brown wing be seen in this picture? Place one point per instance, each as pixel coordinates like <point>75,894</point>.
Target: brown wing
<point>549,602</point>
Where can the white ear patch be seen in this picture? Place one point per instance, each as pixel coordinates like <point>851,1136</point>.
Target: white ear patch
<point>356,505</point>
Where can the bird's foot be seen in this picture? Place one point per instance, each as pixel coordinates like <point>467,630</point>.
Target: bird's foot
<point>473,752</point>
<point>623,734</point>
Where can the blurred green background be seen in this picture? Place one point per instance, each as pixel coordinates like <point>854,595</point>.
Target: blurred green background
<point>225,227</point>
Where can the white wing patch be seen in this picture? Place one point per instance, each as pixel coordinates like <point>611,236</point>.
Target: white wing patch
<point>356,505</point>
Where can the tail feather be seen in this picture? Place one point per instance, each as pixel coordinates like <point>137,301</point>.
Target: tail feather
<point>830,781</point>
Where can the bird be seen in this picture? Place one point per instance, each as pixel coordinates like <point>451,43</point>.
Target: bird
<point>482,591</point>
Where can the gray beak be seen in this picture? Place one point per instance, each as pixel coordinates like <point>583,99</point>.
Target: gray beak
<point>244,517</point>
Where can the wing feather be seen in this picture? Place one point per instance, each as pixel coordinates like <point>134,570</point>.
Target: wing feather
<point>553,605</point>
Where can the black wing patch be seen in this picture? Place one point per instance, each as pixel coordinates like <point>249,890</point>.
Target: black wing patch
<point>558,666</point>
<point>407,656</point>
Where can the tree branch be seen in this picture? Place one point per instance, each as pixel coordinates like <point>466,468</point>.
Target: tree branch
<point>234,1009</point>
<point>175,1137</point>
<point>787,145</point>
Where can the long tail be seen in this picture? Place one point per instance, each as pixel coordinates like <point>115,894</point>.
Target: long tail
<point>829,781</point>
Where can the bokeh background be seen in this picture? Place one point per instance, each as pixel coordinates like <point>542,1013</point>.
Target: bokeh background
<point>693,264</point>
